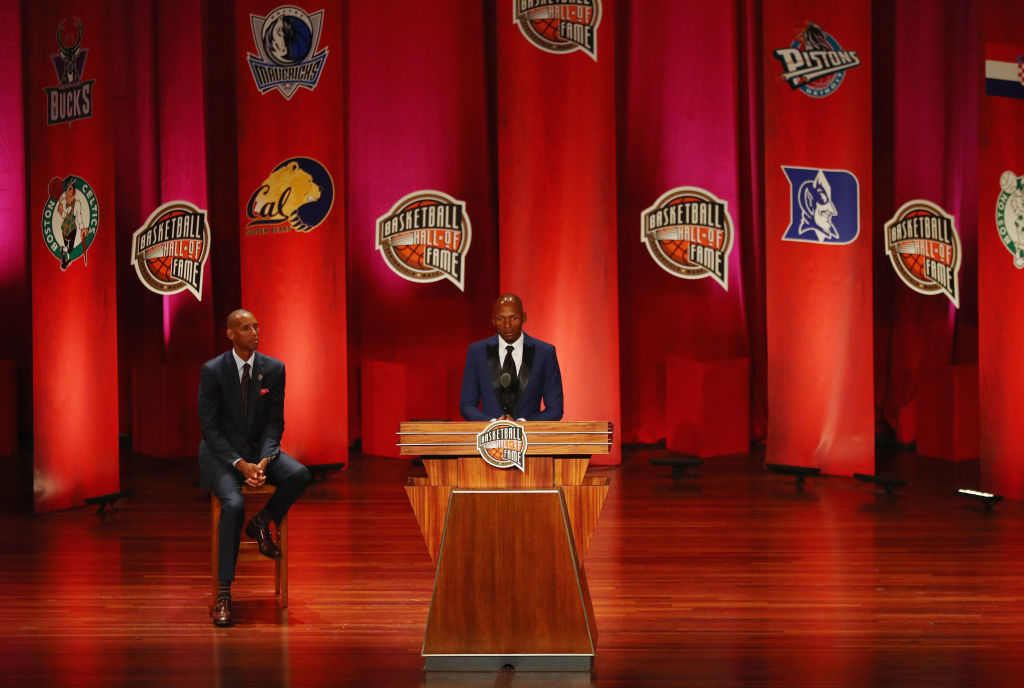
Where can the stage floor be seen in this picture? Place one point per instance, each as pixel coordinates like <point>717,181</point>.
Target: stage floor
<point>736,577</point>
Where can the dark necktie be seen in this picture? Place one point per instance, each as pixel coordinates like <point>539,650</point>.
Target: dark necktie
<point>245,390</point>
<point>509,366</point>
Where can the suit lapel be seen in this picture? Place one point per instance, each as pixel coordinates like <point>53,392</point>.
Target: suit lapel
<point>495,367</point>
<point>234,393</point>
<point>254,376</point>
<point>529,351</point>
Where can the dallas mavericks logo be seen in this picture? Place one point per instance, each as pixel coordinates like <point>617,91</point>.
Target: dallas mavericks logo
<point>1010,216</point>
<point>170,250</point>
<point>824,206</point>
<point>287,41</point>
<point>71,98</point>
<point>689,234</point>
<point>815,63</point>
<point>297,195</point>
<point>923,245</point>
<point>503,444</point>
<point>559,26</point>
<point>70,219</point>
<point>425,237</point>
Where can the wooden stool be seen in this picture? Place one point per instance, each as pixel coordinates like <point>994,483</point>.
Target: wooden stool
<point>280,537</point>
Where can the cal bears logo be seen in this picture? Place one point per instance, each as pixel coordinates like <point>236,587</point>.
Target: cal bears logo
<point>70,219</point>
<point>688,232</point>
<point>425,236</point>
<point>297,195</point>
<point>503,444</point>
<point>1010,216</point>
<point>287,41</point>
<point>922,242</point>
<point>71,98</point>
<point>815,63</point>
<point>559,26</point>
<point>170,250</point>
<point>824,207</point>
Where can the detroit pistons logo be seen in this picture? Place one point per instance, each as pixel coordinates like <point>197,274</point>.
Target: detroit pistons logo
<point>287,41</point>
<point>70,219</point>
<point>170,250</point>
<point>815,63</point>
<point>1010,216</point>
<point>503,444</point>
<point>924,247</point>
<point>425,237</point>
<point>71,98</point>
<point>559,26</point>
<point>688,233</point>
<point>296,195</point>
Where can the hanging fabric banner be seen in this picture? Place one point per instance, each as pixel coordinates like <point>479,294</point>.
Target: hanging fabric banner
<point>71,208</point>
<point>817,95</point>
<point>289,92</point>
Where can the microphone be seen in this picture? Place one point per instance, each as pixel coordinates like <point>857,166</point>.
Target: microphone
<point>505,380</point>
<point>506,392</point>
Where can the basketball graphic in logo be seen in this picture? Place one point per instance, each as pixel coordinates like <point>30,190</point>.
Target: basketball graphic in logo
<point>170,250</point>
<point>558,26</point>
<point>502,444</point>
<point>924,248</point>
<point>689,234</point>
<point>425,236</point>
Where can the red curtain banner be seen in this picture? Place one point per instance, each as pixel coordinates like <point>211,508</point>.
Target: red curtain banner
<point>74,328</point>
<point>819,315</point>
<point>1000,313</point>
<point>291,169</point>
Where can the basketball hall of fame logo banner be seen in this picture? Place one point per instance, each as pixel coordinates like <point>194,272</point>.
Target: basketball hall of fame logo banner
<point>296,195</point>
<point>815,63</point>
<point>71,218</point>
<point>502,444</point>
<point>689,234</point>
<point>923,245</point>
<point>559,26</point>
<point>287,41</point>
<point>170,250</point>
<point>1010,215</point>
<point>425,237</point>
<point>71,98</point>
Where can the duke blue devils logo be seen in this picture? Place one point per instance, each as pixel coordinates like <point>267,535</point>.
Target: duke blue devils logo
<point>824,206</point>
<point>287,41</point>
<point>71,98</point>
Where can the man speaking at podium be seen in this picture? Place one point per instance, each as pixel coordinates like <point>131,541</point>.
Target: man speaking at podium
<point>509,375</point>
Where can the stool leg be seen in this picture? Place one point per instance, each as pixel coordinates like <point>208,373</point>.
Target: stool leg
<point>282,564</point>
<point>215,538</point>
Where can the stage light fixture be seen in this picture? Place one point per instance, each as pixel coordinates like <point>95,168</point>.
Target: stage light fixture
<point>800,472</point>
<point>890,484</point>
<point>989,499</point>
<point>108,499</point>
<point>679,464</point>
<point>318,471</point>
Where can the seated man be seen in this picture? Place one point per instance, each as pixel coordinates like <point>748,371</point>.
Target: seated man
<point>509,375</point>
<point>241,412</point>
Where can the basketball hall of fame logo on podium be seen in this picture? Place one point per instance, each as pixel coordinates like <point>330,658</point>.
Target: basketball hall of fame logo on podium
<point>425,236</point>
<point>287,41</point>
<point>923,245</point>
<point>559,26</point>
<point>503,444</point>
<point>1010,215</point>
<point>689,234</point>
<point>815,63</point>
<point>70,219</point>
<point>170,250</point>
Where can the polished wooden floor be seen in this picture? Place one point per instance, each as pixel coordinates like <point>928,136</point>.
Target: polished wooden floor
<point>736,577</point>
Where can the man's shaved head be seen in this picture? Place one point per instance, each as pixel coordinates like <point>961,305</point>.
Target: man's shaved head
<point>236,315</point>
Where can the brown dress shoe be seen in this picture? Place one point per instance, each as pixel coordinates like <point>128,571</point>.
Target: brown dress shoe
<point>268,547</point>
<point>222,612</point>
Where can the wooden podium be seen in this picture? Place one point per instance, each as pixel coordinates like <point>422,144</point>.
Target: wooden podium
<point>508,545</point>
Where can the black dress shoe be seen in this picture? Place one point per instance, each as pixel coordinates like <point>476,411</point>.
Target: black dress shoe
<point>268,547</point>
<point>222,612</point>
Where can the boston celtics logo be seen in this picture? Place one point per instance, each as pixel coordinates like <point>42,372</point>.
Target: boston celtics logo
<point>1010,216</point>
<point>425,236</point>
<point>688,232</point>
<point>70,219</point>
<point>503,444</point>
<point>924,247</point>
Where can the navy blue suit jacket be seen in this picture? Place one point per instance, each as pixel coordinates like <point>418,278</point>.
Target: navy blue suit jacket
<point>226,435</point>
<point>539,378</point>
